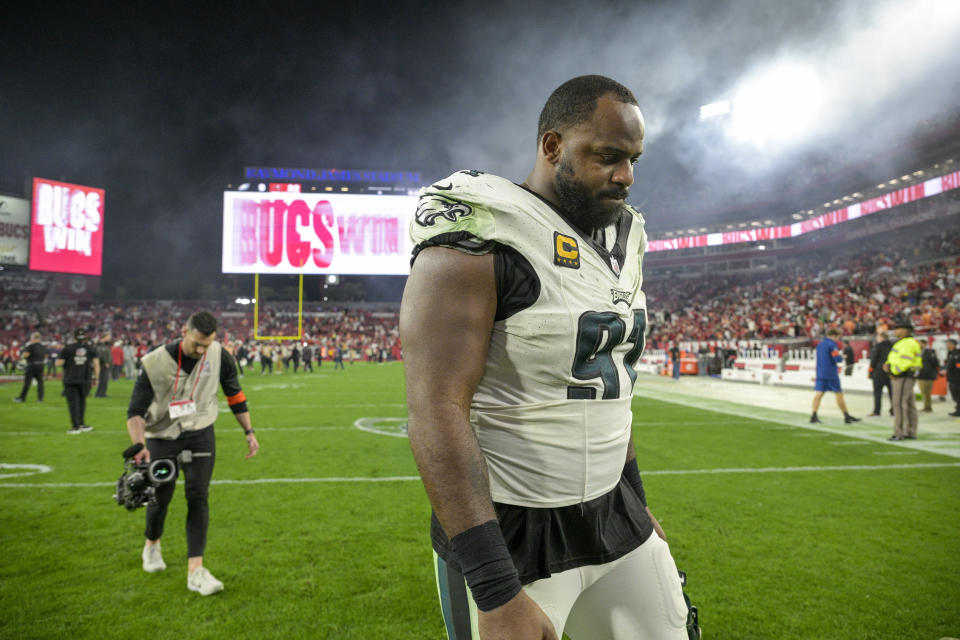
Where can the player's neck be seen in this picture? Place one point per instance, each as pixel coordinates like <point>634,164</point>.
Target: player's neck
<point>542,184</point>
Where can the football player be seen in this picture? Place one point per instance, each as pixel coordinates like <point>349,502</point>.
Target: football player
<point>521,323</point>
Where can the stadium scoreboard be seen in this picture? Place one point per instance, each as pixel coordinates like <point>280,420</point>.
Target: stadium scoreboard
<point>66,230</point>
<point>281,232</point>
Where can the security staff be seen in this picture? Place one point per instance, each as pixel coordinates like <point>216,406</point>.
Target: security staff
<point>172,411</point>
<point>880,378</point>
<point>928,375</point>
<point>33,355</point>
<point>81,368</point>
<point>105,357</point>
<point>903,363</point>
<point>952,365</point>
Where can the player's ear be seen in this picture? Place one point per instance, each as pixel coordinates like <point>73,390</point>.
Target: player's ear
<point>551,146</point>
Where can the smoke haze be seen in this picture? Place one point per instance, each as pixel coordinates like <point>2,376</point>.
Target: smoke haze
<point>163,109</point>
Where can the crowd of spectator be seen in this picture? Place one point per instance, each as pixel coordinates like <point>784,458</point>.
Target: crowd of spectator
<point>133,329</point>
<point>856,290</point>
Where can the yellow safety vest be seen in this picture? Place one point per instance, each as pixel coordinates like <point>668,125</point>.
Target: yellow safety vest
<point>905,357</point>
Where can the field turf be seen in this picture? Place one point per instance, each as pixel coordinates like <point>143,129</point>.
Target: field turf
<point>784,532</point>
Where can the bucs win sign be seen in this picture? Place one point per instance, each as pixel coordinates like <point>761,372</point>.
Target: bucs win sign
<point>316,233</point>
<point>66,233</point>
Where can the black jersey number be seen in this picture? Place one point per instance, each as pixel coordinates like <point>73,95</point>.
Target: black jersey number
<point>598,334</point>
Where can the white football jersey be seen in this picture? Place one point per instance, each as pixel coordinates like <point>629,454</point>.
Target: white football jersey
<point>552,411</point>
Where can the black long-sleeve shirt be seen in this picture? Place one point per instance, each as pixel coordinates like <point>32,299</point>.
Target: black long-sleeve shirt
<point>34,353</point>
<point>229,382</point>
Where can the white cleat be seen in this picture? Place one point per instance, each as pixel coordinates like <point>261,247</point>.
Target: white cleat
<point>152,560</point>
<point>203,582</point>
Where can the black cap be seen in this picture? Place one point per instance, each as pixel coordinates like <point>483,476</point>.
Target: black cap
<point>80,333</point>
<point>903,323</point>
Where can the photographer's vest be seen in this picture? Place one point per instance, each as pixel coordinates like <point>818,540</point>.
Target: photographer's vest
<point>202,383</point>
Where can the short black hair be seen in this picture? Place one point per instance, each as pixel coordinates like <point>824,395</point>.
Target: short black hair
<point>574,101</point>
<point>203,321</point>
<point>833,331</point>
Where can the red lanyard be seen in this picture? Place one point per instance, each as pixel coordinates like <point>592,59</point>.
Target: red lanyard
<point>176,380</point>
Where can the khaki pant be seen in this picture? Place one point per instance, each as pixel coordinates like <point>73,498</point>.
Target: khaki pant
<point>925,386</point>
<point>904,407</point>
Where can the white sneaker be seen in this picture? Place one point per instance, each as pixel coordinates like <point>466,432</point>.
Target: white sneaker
<point>152,560</point>
<point>203,582</point>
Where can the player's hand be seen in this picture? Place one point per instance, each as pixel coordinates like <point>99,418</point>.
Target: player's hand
<point>143,456</point>
<point>252,445</point>
<point>519,619</point>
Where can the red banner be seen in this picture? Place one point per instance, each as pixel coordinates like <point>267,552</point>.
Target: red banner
<point>911,193</point>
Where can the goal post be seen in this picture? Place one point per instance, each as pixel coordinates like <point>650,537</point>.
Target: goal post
<point>256,312</point>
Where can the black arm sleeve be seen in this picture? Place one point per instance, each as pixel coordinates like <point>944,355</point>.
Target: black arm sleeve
<point>142,396</point>
<point>230,382</point>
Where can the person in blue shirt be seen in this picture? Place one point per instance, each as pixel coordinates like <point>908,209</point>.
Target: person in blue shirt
<point>828,357</point>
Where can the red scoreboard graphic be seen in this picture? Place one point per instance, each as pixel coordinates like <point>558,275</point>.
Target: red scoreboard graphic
<point>66,234</point>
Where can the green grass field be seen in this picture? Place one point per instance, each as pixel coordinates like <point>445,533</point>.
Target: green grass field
<point>324,534</point>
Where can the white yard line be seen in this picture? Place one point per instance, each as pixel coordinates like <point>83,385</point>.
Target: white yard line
<point>661,472</point>
<point>116,431</point>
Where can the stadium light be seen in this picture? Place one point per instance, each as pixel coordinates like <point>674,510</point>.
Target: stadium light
<point>714,109</point>
<point>776,106</point>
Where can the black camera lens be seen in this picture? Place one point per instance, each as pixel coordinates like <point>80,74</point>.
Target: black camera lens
<point>162,470</point>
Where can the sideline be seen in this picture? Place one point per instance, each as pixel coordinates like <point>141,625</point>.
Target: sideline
<point>752,402</point>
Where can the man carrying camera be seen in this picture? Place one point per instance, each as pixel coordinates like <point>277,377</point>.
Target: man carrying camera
<point>172,411</point>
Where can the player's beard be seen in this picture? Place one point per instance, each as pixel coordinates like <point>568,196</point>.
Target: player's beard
<point>587,211</point>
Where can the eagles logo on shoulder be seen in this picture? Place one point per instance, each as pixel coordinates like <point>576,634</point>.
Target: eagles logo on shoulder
<point>433,207</point>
